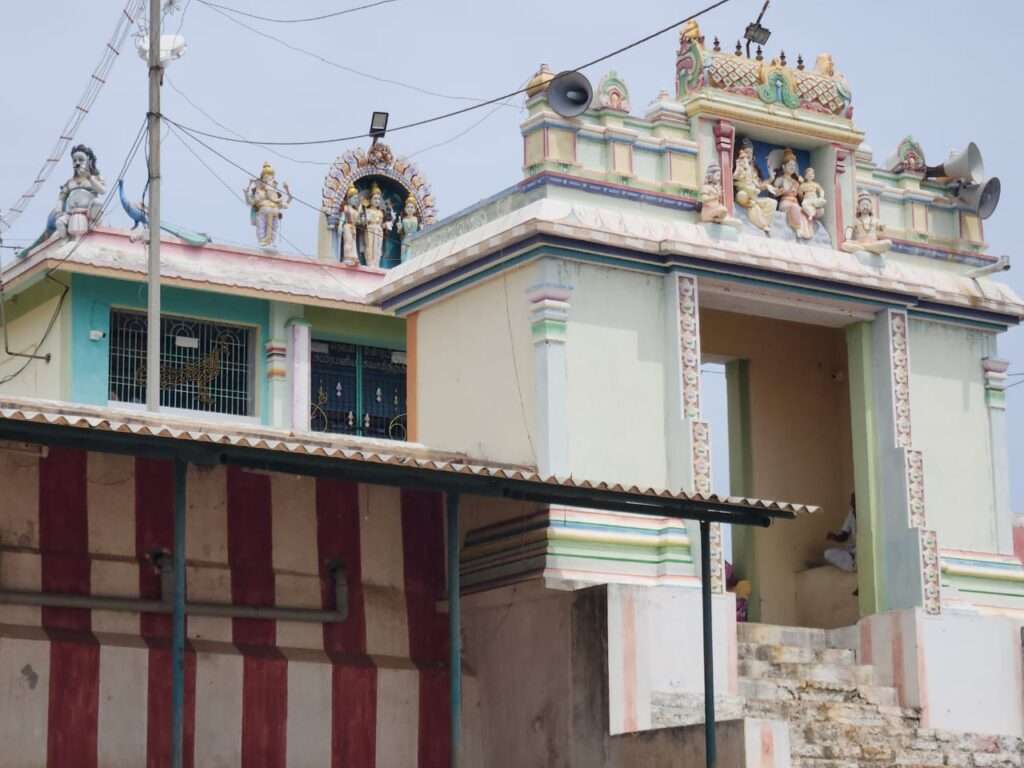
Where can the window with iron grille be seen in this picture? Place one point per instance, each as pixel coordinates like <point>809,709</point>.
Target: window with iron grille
<point>357,390</point>
<point>203,366</point>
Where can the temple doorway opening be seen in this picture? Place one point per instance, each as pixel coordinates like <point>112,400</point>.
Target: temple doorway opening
<point>788,436</point>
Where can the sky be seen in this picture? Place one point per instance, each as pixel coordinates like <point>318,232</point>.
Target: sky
<point>935,69</point>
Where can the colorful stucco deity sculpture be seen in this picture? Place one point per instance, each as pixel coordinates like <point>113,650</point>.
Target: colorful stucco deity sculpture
<point>373,220</point>
<point>864,234</point>
<point>409,224</point>
<point>748,187</point>
<point>786,186</point>
<point>352,217</point>
<point>812,196</point>
<point>79,202</point>
<point>712,209</point>
<point>267,204</point>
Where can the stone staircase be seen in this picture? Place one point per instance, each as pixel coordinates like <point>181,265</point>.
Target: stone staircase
<point>839,716</point>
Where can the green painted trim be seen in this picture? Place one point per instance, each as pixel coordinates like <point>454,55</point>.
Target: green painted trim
<point>549,330</point>
<point>741,474</point>
<point>938,317</point>
<point>865,468</point>
<point>359,328</point>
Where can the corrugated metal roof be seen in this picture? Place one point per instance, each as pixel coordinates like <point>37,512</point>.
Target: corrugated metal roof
<point>346,447</point>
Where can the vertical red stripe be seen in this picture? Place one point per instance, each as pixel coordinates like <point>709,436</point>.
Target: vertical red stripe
<point>74,704</point>
<point>158,716</point>
<point>265,671</point>
<point>423,549</point>
<point>64,535</point>
<point>154,531</point>
<point>337,538</point>
<point>354,716</point>
<point>250,553</point>
<point>353,677</point>
<point>435,717</point>
<point>74,654</point>
<point>424,555</point>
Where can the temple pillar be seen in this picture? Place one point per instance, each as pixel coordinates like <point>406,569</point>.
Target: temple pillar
<point>725,135</point>
<point>549,315</point>
<point>299,374</point>
<point>334,234</point>
<point>995,399</point>
<point>908,550</point>
<point>688,457</point>
<point>276,350</point>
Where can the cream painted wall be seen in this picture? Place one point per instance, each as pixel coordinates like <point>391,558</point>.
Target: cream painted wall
<point>950,426</point>
<point>616,381</point>
<point>800,445</point>
<point>27,319</point>
<point>475,371</point>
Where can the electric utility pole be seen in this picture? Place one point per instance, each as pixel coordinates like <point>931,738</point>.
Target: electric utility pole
<point>153,120</point>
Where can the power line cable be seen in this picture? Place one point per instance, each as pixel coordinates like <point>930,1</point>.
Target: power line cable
<point>295,21</point>
<point>335,64</point>
<point>98,78</point>
<point>233,132</point>
<point>463,110</point>
<point>231,191</point>
<point>231,162</point>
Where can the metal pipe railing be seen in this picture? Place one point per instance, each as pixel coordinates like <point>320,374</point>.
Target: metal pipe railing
<point>165,605</point>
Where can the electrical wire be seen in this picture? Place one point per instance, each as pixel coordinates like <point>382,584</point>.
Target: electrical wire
<point>226,185</point>
<point>454,113</point>
<point>98,78</point>
<point>233,132</point>
<point>336,65</point>
<point>295,21</point>
<point>231,162</point>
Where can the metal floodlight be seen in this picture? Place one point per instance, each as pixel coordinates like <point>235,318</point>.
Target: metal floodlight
<point>756,33</point>
<point>378,124</point>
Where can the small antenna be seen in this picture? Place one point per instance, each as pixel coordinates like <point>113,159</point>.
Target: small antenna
<point>755,33</point>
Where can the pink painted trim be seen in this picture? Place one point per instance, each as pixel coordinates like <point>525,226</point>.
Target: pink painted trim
<point>922,670</point>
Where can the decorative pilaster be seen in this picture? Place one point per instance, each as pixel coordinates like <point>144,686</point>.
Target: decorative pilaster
<point>837,196</point>
<point>725,136</point>
<point>995,397</point>
<point>697,432</point>
<point>549,315</point>
<point>299,373</point>
<point>906,538</point>
<point>276,351</point>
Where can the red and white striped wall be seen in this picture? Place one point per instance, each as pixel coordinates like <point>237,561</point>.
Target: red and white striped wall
<point>92,688</point>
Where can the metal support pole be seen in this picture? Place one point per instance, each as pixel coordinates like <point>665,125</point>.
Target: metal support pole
<point>710,745</point>
<point>178,619</point>
<point>454,629</point>
<point>153,120</point>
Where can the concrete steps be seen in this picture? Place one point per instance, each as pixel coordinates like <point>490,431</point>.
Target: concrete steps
<point>838,714</point>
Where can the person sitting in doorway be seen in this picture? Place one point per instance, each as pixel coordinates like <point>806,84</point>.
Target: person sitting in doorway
<point>844,557</point>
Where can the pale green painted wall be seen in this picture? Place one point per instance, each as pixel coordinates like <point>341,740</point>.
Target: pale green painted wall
<point>355,327</point>
<point>616,381</point>
<point>951,426</point>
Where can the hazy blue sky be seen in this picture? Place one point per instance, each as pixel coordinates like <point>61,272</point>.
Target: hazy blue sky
<point>936,69</point>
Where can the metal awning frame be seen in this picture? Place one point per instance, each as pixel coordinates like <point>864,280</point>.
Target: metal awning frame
<point>454,484</point>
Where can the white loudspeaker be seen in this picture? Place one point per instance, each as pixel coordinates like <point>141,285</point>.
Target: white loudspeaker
<point>965,164</point>
<point>570,93</point>
<point>982,198</point>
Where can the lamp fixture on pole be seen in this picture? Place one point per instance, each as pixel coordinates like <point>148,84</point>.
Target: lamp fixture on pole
<point>754,32</point>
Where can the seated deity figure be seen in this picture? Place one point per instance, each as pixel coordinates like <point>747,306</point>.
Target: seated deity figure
<point>812,196</point>
<point>748,187</point>
<point>352,218</point>
<point>373,220</point>
<point>409,224</point>
<point>78,203</point>
<point>267,204</point>
<point>712,208</point>
<point>786,186</point>
<point>863,235</point>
